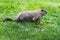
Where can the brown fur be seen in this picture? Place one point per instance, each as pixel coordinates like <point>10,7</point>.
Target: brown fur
<point>34,15</point>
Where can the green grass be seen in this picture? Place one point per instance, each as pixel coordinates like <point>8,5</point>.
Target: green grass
<point>48,29</point>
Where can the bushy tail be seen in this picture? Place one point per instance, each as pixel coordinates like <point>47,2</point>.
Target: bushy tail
<point>7,19</point>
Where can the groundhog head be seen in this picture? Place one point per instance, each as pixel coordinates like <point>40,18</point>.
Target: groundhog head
<point>43,12</point>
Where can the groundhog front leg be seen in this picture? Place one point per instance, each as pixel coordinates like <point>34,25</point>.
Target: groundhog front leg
<point>36,20</point>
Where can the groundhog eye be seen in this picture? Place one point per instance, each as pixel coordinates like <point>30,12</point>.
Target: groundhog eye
<point>42,10</point>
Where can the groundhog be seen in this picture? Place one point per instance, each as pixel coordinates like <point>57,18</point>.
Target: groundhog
<point>28,16</point>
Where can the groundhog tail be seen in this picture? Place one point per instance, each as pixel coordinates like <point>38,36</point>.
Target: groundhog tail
<point>7,19</point>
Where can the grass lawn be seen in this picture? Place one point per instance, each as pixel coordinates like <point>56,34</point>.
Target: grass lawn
<point>47,29</point>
